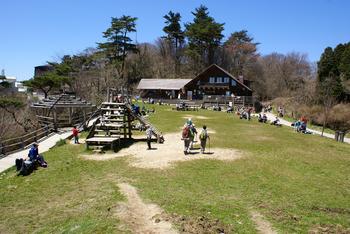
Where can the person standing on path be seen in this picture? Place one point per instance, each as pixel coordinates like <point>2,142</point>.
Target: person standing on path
<point>203,136</point>
<point>75,133</point>
<point>149,136</point>
<point>186,139</point>
<point>193,133</point>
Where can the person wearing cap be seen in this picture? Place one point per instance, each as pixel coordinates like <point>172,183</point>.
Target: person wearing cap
<point>34,155</point>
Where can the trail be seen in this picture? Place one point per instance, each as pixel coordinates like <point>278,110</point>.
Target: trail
<point>272,117</point>
<point>262,225</point>
<point>139,216</point>
<point>165,155</point>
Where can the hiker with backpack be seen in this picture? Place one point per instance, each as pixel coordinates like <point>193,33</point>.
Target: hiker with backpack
<point>203,136</point>
<point>34,159</point>
<point>186,138</point>
<point>193,133</point>
<point>34,155</point>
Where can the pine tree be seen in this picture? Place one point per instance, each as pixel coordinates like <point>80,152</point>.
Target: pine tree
<point>119,44</point>
<point>175,35</point>
<point>328,73</point>
<point>204,37</point>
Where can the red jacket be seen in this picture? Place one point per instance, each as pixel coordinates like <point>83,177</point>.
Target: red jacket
<point>75,132</point>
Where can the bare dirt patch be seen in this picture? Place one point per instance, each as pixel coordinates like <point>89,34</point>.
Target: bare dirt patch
<point>263,138</point>
<point>262,225</point>
<point>81,141</point>
<point>329,228</point>
<point>139,216</point>
<point>163,155</point>
<point>198,225</point>
<point>195,117</point>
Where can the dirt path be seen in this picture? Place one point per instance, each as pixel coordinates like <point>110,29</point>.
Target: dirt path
<point>164,155</point>
<point>139,216</point>
<point>262,225</point>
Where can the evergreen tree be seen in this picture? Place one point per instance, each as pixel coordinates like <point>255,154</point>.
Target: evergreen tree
<point>47,82</point>
<point>328,73</point>
<point>175,35</point>
<point>204,37</point>
<point>119,44</point>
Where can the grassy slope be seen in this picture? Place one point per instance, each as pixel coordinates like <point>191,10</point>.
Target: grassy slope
<point>297,181</point>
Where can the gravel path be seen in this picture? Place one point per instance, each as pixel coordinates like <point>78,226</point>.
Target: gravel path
<point>272,117</point>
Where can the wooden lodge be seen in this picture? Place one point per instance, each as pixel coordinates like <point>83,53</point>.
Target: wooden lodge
<point>213,82</point>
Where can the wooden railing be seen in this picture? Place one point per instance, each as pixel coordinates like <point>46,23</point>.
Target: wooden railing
<point>237,100</point>
<point>13,144</point>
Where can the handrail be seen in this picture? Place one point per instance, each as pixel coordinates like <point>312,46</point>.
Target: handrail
<point>90,118</point>
<point>15,138</point>
<point>23,141</point>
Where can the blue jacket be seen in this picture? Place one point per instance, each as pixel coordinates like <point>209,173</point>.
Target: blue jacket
<point>33,153</point>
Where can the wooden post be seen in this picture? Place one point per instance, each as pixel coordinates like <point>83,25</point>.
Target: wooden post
<point>124,122</point>
<point>70,115</point>
<point>108,95</point>
<point>84,116</point>
<point>2,148</point>
<point>55,120</point>
<point>129,125</point>
<point>22,143</point>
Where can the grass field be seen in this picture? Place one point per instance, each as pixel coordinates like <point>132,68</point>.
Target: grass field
<point>299,183</point>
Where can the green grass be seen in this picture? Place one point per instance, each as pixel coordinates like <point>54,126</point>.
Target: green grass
<point>296,181</point>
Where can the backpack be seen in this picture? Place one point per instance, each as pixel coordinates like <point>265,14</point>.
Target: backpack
<point>27,168</point>
<point>185,132</point>
<point>203,135</point>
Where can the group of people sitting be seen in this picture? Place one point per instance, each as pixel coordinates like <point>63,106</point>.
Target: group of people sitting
<point>245,113</point>
<point>143,111</point>
<point>189,133</point>
<point>262,118</point>
<point>32,162</point>
<point>301,125</point>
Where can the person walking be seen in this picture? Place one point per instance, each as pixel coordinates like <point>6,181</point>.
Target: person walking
<point>186,139</point>
<point>193,134</point>
<point>149,136</point>
<point>75,133</point>
<point>203,136</point>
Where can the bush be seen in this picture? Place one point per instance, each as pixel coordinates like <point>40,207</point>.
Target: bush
<point>60,143</point>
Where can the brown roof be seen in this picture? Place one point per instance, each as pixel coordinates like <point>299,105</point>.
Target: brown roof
<point>223,70</point>
<point>163,84</point>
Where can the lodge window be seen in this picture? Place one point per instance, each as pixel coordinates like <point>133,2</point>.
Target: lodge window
<point>211,80</point>
<point>218,79</point>
<point>226,80</point>
<point>233,83</point>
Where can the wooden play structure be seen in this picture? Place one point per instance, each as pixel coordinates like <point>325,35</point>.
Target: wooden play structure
<point>63,110</point>
<point>114,122</point>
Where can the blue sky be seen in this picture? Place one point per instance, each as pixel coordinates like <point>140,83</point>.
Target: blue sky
<point>35,31</point>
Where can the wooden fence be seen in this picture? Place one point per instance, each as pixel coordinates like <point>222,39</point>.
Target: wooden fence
<point>64,120</point>
<point>18,143</point>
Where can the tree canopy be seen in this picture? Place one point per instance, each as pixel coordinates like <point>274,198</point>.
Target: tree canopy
<point>204,35</point>
<point>334,65</point>
<point>119,44</point>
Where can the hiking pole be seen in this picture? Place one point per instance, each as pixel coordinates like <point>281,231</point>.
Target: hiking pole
<point>209,145</point>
